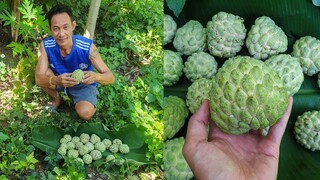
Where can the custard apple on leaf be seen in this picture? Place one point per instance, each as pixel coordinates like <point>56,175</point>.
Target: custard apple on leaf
<point>198,91</point>
<point>172,67</point>
<point>169,28</point>
<point>200,65</point>
<point>175,113</point>
<point>265,39</point>
<point>190,38</point>
<point>289,70</point>
<point>175,166</point>
<point>246,95</point>
<point>225,35</point>
<point>78,75</point>
<point>307,130</point>
<point>307,50</point>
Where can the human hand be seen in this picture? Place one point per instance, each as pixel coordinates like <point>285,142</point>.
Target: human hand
<point>89,77</point>
<point>227,156</point>
<point>66,80</point>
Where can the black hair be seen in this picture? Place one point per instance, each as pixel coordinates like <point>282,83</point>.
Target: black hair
<point>57,9</point>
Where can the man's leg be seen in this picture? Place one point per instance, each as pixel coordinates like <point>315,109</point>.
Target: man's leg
<point>85,99</point>
<point>85,110</point>
<point>56,99</point>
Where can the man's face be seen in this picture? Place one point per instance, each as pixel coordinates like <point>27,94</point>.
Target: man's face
<point>62,29</point>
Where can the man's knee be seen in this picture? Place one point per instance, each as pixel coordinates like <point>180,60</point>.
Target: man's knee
<point>85,110</point>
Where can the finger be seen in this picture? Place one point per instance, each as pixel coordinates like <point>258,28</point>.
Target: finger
<point>276,131</point>
<point>196,130</point>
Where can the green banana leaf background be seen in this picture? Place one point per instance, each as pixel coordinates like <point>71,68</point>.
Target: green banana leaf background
<point>297,18</point>
<point>47,137</point>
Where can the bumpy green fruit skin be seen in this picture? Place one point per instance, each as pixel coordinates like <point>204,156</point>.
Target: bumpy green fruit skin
<point>198,91</point>
<point>200,65</point>
<point>307,50</point>
<point>78,75</point>
<point>190,38</point>
<point>265,39</point>
<point>172,67</point>
<point>307,130</point>
<point>175,166</point>
<point>289,70</point>
<point>169,28</point>
<point>175,112</point>
<point>225,34</point>
<point>246,95</point>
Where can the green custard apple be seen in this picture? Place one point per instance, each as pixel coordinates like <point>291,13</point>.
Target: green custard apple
<point>200,65</point>
<point>172,67</point>
<point>198,91</point>
<point>175,166</point>
<point>289,69</point>
<point>169,29</point>
<point>246,95</point>
<point>78,75</point>
<point>175,113</point>
<point>307,50</point>
<point>265,39</point>
<point>225,35</point>
<point>190,38</point>
<point>307,130</point>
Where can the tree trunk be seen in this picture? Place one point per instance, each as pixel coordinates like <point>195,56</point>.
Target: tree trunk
<point>14,7</point>
<point>92,18</point>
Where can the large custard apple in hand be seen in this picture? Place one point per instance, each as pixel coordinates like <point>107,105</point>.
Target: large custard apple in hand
<point>246,95</point>
<point>172,67</point>
<point>190,38</point>
<point>175,112</point>
<point>225,34</point>
<point>307,49</point>
<point>265,39</point>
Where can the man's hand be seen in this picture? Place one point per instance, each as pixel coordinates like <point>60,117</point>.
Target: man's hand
<point>226,156</point>
<point>66,80</point>
<point>89,77</point>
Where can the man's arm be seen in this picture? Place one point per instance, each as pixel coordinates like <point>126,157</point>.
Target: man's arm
<point>42,73</point>
<point>104,75</point>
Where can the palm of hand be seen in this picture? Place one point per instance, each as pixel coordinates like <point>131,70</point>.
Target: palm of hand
<point>226,156</point>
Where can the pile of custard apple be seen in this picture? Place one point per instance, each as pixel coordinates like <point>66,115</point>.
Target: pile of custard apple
<point>246,72</point>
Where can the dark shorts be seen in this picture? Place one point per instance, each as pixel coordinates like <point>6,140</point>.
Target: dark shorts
<point>81,92</point>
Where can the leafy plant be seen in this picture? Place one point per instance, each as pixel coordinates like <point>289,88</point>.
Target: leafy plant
<point>3,71</point>
<point>176,6</point>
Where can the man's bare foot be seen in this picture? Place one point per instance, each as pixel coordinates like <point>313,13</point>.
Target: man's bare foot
<point>55,102</point>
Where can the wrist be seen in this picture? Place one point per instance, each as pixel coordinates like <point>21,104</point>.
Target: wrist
<point>97,76</point>
<point>51,83</point>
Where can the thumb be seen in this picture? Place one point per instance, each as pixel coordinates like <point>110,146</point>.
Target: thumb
<point>196,131</point>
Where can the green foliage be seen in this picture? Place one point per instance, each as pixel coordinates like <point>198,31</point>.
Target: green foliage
<point>129,38</point>
<point>32,24</point>
<point>73,170</point>
<point>16,156</point>
<point>78,9</point>
<point>31,27</point>
<point>176,6</point>
<point>3,71</point>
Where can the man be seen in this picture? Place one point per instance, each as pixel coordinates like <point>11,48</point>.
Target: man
<point>61,54</point>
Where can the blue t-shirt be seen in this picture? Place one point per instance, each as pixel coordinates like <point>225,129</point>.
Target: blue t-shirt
<point>77,59</point>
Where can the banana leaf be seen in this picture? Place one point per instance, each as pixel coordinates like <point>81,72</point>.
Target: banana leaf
<point>297,18</point>
<point>47,137</point>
